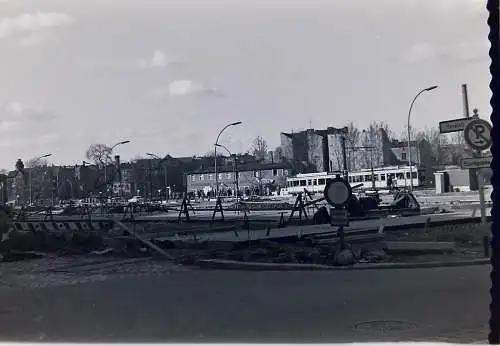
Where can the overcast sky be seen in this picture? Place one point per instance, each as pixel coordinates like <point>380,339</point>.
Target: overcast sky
<point>167,75</point>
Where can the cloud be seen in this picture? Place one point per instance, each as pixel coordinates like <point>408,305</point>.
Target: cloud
<point>18,112</point>
<point>108,63</point>
<point>186,87</point>
<point>34,39</point>
<point>159,59</point>
<point>32,22</point>
<point>23,126</point>
<point>183,88</point>
<point>463,52</point>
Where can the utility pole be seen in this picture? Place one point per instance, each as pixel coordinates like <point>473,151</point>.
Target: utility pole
<point>150,181</point>
<point>344,157</point>
<point>473,173</point>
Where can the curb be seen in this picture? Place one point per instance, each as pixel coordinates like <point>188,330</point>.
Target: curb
<point>256,266</point>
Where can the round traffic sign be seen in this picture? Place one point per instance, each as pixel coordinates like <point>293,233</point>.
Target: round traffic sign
<point>477,134</point>
<point>337,192</point>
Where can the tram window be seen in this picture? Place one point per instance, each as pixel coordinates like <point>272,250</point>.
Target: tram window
<point>400,176</point>
<point>368,178</point>
<point>407,175</point>
<point>328,180</point>
<point>321,181</point>
<point>309,182</point>
<point>315,182</point>
<point>382,176</point>
<point>375,177</point>
<point>302,183</point>
<point>414,175</point>
<point>295,183</point>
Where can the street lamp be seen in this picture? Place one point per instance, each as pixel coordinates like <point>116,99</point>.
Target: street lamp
<point>215,155</point>
<point>106,162</point>
<point>162,161</point>
<point>30,183</point>
<point>409,133</point>
<point>234,170</point>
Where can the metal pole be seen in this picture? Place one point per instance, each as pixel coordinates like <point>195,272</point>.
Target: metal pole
<point>215,156</point>
<point>344,157</point>
<point>409,133</point>
<point>29,176</point>
<point>165,173</point>
<point>409,143</point>
<point>481,194</point>
<point>215,168</point>
<point>150,182</point>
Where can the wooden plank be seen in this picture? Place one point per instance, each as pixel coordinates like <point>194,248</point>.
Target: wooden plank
<point>142,240</point>
<point>420,246</point>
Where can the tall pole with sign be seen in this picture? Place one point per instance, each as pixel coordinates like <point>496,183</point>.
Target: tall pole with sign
<point>477,134</point>
<point>338,193</point>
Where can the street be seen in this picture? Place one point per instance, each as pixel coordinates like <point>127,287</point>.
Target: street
<point>446,304</point>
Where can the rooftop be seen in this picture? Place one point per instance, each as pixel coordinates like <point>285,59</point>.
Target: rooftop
<point>246,167</point>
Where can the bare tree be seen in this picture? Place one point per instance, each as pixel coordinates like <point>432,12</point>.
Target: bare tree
<point>98,154</point>
<point>435,140</point>
<point>372,141</point>
<point>259,148</point>
<point>404,134</point>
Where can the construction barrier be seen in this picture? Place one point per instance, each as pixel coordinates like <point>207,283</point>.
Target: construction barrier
<point>62,226</point>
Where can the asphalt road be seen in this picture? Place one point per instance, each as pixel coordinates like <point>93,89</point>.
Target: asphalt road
<point>417,305</point>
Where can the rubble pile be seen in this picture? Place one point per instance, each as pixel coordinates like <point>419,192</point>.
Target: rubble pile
<point>273,252</point>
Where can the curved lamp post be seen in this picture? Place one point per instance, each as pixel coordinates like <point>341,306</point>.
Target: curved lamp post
<point>30,183</point>
<point>106,162</point>
<point>215,155</point>
<point>409,132</point>
<point>234,170</point>
<point>164,171</point>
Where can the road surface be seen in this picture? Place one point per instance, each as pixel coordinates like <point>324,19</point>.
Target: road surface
<point>447,304</point>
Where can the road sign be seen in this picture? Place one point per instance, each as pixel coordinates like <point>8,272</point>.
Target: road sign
<point>477,134</point>
<point>455,125</point>
<point>337,192</point>
<point>339,217</point>
<point>476,162</point>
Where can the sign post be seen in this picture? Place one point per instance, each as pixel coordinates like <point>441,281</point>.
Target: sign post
<point>455,125</point>
<point>338,193</point>
<point>477,134</point>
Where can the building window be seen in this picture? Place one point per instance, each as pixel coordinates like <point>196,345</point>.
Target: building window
<point>210,176</point>
<point>403,156</point>
<point>193,178</point>
<point>275,172</point>
<point>221,176</point>
<point>407,175</point>
<point>229,175</point>
<point>202,177</point>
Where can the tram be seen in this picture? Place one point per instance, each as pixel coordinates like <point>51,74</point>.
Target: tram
<point>365,179</point>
